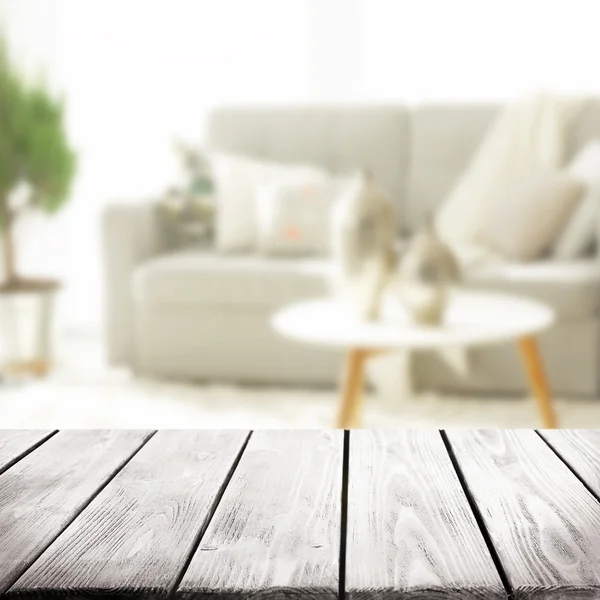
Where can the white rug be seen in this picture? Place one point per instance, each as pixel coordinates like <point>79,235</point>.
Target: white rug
<point>83,393</point>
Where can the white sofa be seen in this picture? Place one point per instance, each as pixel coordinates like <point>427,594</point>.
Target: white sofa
<point>197,315</point>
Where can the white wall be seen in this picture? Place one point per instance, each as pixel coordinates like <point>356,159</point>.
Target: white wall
<point>428,50</point>
<point>136,72</point>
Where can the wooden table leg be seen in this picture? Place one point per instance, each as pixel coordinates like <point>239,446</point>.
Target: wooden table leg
<point>534,367</point>
<point>351,400</point>
<point>38,367</point>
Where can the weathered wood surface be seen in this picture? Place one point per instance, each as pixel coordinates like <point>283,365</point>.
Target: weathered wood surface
<point>411,532</point>
<point>15,443</point>
<point>276,531</point>
<point>211,515</point>
<point>544,524</point>
<point>42,493</point>
<point>580,449</point>
<point>138,533</point>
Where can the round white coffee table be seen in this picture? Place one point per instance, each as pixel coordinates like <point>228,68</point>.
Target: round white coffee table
<point>473,319</point>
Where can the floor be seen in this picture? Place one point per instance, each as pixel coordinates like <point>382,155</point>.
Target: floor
<point>84,393</point>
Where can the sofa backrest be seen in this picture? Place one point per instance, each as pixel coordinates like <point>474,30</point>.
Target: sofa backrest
<point>416,154</point>
<point>340,138</point>
<point>443,139</point>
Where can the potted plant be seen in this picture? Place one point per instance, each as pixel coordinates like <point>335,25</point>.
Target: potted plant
<point>34,154</point>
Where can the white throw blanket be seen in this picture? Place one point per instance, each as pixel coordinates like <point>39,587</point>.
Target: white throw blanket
<point>527,134</point>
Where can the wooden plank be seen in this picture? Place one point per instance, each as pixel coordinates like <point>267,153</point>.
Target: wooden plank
<point>580,449</point>
<point>42,493</point>
<point>137,534</point>
<point>544,524</point>
<point>277,528</point>
<point>15,443</point>
<point>411,532</point>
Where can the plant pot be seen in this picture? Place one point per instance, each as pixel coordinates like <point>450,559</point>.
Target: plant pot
<point>27,323</point>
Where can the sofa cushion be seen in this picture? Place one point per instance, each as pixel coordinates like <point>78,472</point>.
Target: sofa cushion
<point>524,221</point>
<point>584,128</point>
<point>571,288</point>
<point>294,218</point>
<point>192,278</point>
<point>237,181</point>
<point>579,234</point>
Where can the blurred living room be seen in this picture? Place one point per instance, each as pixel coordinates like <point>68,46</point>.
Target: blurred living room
<point>299,213</point>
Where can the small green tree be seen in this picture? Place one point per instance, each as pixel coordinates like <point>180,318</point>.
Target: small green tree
<point>33,149</point>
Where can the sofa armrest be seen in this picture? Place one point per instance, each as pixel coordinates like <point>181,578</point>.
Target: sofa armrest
<point>130,235</point>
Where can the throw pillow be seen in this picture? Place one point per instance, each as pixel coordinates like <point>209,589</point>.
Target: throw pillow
<point>580,232</point>
<point>585,165</point>
<point>526,135</point>
<point>584,128</point>
<point>525,221</point>
<point>237,180</point>
<point>294,217</point>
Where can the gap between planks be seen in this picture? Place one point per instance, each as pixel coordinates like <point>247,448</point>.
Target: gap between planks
<point>14,461</point>
<point>470,499</point>
<point>569,466</point>
<point>82,507</point>
<point>344,515</point>
<point>212,512</point>
<point>343,508</point>
<point>477,515</point>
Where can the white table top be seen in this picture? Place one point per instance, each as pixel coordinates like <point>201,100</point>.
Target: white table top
<point>472,319</point>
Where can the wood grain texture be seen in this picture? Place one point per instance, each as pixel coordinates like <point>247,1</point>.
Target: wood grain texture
<point>411,532</point>
<point>276,532</point>
<point>134,539</point>
<point>14,443</point>
<point>580,449</point>
<point>42,493</point>
<point>544,524</point>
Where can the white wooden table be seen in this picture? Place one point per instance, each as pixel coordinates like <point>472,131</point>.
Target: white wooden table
<point>392,514</point>
<point>473,319</point>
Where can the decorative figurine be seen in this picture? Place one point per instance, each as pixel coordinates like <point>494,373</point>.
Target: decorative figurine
<point>363,245</point>
<point>427,271</point>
